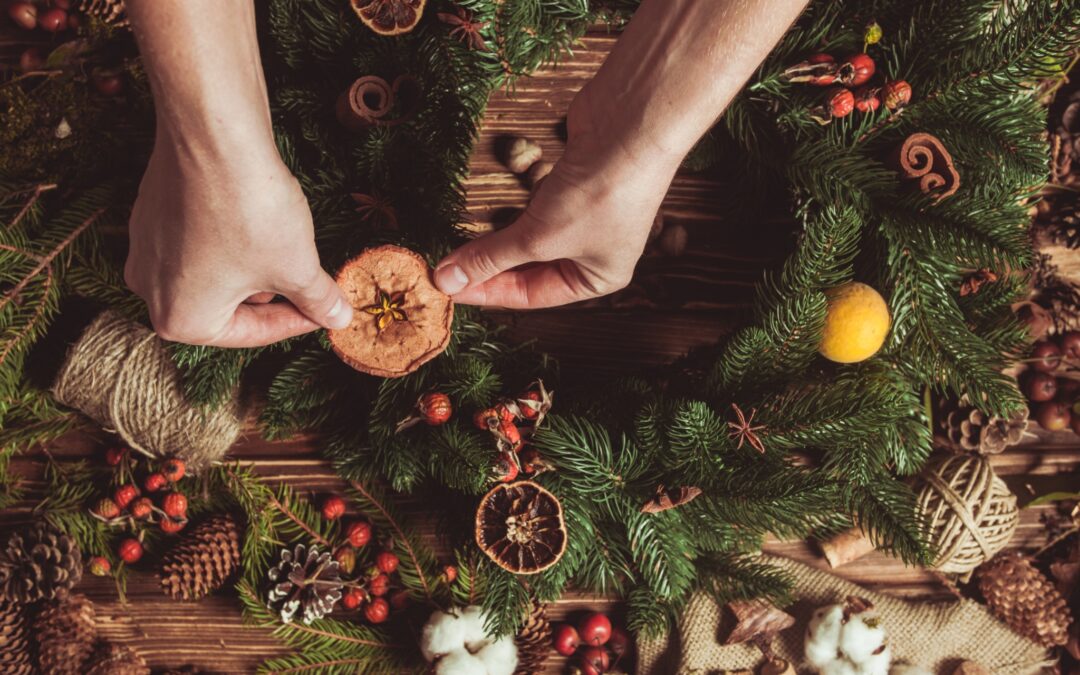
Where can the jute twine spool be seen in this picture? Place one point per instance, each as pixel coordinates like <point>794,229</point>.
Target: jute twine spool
<point>119,374</point>
<point>968,511</point>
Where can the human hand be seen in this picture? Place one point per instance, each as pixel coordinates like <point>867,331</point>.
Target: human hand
<point>213,239</point>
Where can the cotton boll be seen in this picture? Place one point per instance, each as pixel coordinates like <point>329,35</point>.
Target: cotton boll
<point>823,636</point>
<point>443,633</point>
<point>475,636</point>
<point>500,657</point>
<point>836,667</point>
<point>877,664</point>
<point>460,662</point>
<point>908,669</point>
<point>860,637</point>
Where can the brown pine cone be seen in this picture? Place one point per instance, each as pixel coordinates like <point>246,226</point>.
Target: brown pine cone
<point>203,561</point>
<point>65,632</point>
<point>117,660</point>
<point>112,12</point>
<point>14,648</point>
<point>533,641</point>
<point>968,429</point>
<point>38,563</point>
<point>1023,598</point>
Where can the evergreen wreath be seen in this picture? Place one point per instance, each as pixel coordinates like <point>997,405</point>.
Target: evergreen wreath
<point>837,440</point>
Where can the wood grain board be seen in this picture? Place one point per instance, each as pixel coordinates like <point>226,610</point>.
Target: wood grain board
<point>712,282</point>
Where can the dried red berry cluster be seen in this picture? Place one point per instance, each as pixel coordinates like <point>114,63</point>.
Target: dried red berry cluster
<point>850,85</point>
<point>597,644</point>
<point>1052,385</point>
<point>512,422</point>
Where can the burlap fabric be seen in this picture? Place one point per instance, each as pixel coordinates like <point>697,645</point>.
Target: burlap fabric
<point>935,636</point>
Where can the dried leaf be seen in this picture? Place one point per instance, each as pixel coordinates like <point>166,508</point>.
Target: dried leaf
<point>758,620</point>
<point>669,499</point>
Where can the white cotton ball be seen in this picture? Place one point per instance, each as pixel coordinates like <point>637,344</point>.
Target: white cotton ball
<point>877,664</point>
<point>443,633</point>
<point>908,669</point>
<point>861,636</point>
<point>500,657</point>
<point>473,618</point>
<point>838,667</point>
<point>823,636</point>
<point>460,662</point>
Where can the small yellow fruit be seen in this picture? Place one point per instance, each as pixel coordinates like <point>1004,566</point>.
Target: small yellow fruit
<point>856,324</point>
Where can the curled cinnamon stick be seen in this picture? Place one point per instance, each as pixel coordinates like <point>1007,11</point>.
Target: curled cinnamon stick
<point>923,158</point>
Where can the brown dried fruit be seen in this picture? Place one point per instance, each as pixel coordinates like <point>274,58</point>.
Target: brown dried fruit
<point>401,321</point>
<point>758,620</point>
<point>520,526</point>
<point>389,17</point>
<point>665,499</point>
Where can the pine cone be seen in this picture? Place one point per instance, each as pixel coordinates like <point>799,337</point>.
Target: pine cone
<point>38,563</point>
<point>1023,598</point>
<point>117,660</point>
<point>203,561</point>
<point>65,632</point>
<point>112,12</point>
<point>533,641</point>
<point>305,581</point>
<point>968,429</point>
<point>14,649</point>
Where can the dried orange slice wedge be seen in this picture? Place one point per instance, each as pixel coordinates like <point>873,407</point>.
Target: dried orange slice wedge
<point>389,17</point>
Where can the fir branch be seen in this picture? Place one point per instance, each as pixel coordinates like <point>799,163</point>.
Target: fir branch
<point>401,539</point>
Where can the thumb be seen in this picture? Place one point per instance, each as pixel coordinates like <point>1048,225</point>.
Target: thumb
<point>322,301</point>
<point>483,258</point>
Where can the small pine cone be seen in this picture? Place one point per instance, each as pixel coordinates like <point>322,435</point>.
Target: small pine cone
<point>117,660</point>
<point>112,12</point>
<point>14,648</point>
<point>39,563</point>
<point>203,561</point>
<point>968,429</point>
<point>1023,598</point>
<point>65,632</point>
<point>533,641</point>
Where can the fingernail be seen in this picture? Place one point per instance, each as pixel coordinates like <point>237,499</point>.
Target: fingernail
<point>451,278</point>
<point>340,315</point>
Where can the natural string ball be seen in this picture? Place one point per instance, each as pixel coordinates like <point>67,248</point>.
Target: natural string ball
<point>119,374</point>
<point>967,510</point>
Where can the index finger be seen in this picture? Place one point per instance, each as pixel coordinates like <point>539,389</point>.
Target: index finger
<point>257,325</point>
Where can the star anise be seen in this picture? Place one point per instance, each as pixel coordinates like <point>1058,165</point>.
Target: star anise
<point>744,431</point>
<point>388,309</point>
<point>376,208</point>
<point>464,28</point>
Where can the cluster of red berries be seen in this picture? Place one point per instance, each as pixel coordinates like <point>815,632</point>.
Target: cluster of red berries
<point>853,75</point>
<point>599,645</point>
<point>368,572</point>
<point>1054,395</point>
<point>505,420</point>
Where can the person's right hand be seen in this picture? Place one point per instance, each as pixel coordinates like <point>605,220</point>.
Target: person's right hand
<point>213,239</point>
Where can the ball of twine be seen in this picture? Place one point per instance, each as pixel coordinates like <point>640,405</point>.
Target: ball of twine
<point>119,374</point>
<point>968,512</point>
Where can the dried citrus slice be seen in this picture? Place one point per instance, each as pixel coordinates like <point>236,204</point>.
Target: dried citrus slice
<point>389,17</point>
<point>520,526</point>
<point>400,320</point>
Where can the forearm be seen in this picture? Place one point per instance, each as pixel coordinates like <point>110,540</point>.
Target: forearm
<point>678,65</point>
<point>206,77</point>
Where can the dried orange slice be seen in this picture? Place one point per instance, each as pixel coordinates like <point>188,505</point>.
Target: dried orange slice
<point>520,527</point>
<point>400,320</point>
<point>389,17</point>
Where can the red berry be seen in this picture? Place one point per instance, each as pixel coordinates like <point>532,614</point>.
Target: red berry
<point>108,83</point>
<point>175,505</point>
<point>174,469</point>
<point>142,508</point>
<point>826,78</point>
<point>352,598</point>
<point>595,629</point>
<point>379,585</point>
<point>387,562</point>
<point>346,558</point>
<point>435,408</point>
<point>1053,416</point>
<point>857,69</point>
<point>62,4</point>
<point>449,574</point>
<point>1039,387</point>
<point>172,525</point>
<point>487,419</point>
<point>511,434</point>
<point>896,94</point>
<point>619,642</point>
<point>1047,357</point>
<point>155,482</point>
<point>506,414</point>
<point>565,639</point>
<point>25,14</point>
<point>358,533</point>
<point>527,411</point>
<point>597,657</point>
<point>31,59</point>
<point>100,566</point>
<point>841,102</point>
<point>377,611</point>
<point>107,509</point>
<point>1070,344</point>
<point>124,495</point>
<point>506,469</point>
<point>866,99</point>
<point>130,551</point>
<point>586,668</point>
<point>114,455</point>
<point>333,508</point>
<point>53,20</point>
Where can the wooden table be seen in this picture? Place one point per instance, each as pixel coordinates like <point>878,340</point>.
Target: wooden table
<point>713,281</point>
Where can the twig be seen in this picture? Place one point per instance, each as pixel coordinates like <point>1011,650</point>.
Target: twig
<point>33,73</point>
<point>39,312</point>
<point>1057,540</point>
<point>301,524</point>
<point>401,535</point>
<point>44,187</point>
<point>246,590</point>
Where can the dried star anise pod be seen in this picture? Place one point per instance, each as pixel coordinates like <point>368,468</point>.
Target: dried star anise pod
<point>520,526</point>
<point>376,209</point>
<point>464,28</point>
<point>306,582</point>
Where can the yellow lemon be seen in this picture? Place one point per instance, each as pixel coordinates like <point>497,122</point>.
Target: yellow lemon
<point>856,324</point>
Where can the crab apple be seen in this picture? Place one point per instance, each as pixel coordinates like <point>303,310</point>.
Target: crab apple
<point>377,611</point>
<point>53,20</point>
<point>1070,344</point>
<point>511,434</point>
<point>115,455</point>
<point>619,642</point>
<point>866,99</point>
<point>333,507</point>
<point>174,469</point>
<point>596,656</point>
<point>172,525</point>
<point>1053,416</point>
<point>352,598</point>
<point>1046,357</point>
<point>24,14</point>
<point>155,482</point>
<point>1039,387</point>
<point>358,533</point>
<point>100,566</point>
<point>565,639</point>
<point>175,505</point>
<point>858,68</point>
<point>506,469</point>
<point>108,83</point>
<point>130,550</point>
<point>378,586</point>
<point>896,94</point>
<point>387,562</point>
<point>435,408</point>
<point>595,629</point>
<point>124,495</point>
<point>586,668</point>
<point>142,508</point>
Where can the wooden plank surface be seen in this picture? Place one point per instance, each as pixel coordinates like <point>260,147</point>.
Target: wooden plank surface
<point>711,285</point>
